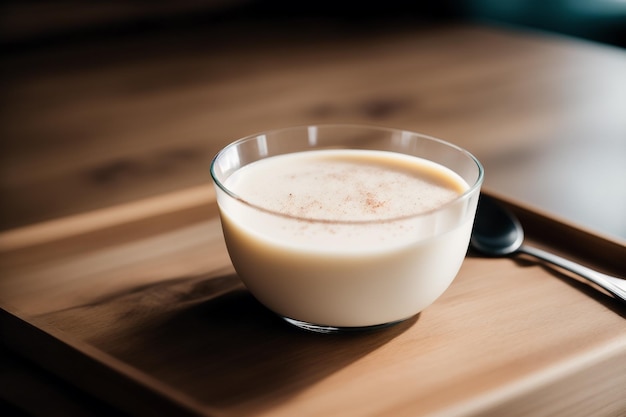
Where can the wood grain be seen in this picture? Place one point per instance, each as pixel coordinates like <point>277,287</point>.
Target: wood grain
<point>103,122</point>
<point>161,321</point>
<point>113,271</point>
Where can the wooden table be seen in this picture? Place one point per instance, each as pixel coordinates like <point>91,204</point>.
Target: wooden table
<point>108,217</point>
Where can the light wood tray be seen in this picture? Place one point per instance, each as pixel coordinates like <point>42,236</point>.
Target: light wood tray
<point>139,305</point>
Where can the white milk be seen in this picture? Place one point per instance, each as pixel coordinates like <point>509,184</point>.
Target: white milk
<point>346,238</point>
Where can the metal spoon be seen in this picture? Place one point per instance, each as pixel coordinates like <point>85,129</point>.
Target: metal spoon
<point>497,232</point>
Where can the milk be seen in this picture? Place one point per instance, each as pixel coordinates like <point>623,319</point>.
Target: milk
<point>346,238</point>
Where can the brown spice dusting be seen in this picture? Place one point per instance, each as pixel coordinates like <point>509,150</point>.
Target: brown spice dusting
<point>372,202</point>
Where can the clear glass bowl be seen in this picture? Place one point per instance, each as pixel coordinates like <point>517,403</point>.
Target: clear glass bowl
<point>350,274</point>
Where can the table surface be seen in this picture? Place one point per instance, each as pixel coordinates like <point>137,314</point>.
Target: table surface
<point>91,126</point>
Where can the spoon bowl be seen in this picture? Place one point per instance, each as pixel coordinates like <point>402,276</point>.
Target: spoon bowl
<point>497,232</point>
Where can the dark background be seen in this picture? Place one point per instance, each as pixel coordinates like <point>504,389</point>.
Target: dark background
<point>28,24</point>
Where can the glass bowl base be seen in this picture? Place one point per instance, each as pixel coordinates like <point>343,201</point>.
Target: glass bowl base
<point>316,328</point>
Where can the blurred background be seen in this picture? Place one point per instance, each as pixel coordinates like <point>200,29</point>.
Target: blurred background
<point>28,22</point>
<point>107,102</point>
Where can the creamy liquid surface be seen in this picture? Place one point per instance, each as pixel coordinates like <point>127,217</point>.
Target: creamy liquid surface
<point>346,185</point>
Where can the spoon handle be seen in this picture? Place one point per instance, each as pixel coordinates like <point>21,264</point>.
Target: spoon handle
<point>614,285</point>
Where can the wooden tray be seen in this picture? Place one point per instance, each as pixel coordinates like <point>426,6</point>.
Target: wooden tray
<point>139,305</point>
